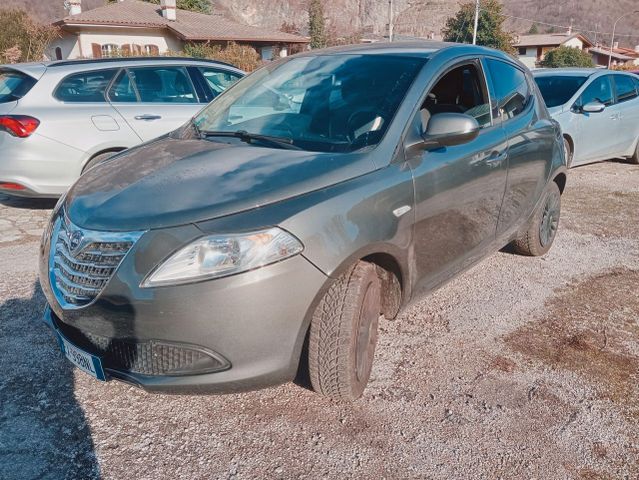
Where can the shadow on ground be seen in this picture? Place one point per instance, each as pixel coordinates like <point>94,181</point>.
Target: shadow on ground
<point>43,431</point>
<point>27,203</point>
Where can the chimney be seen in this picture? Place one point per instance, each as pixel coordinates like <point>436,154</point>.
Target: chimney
<point>615,45</point>
<point>637,48</point>
<point>75,7</point>
<point>169,9</point>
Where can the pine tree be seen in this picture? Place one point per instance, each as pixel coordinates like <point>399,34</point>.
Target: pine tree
<point>490,29</point>
<point>533,29</point>
<point>316,24</point>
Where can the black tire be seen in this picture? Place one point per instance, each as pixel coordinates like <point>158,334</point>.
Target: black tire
<point>635,158</point>
<point>539,234</point>
<point>569,153</point>
<point>343,334</point>
<point>97,159</point>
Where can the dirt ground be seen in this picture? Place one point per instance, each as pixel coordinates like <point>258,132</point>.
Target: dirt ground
<point>520,368</point>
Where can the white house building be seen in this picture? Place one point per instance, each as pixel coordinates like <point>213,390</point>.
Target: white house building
<point>146,28</point>
<point>532,49</point>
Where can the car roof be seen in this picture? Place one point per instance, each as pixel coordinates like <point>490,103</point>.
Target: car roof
<point>420,48</point>
<point>127,61</point>
<point>568,72</point>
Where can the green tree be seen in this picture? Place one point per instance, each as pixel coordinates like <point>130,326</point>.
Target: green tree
<point>22,39</point>
<point>566,57</point>
<point>317,24</point>
<point>534,29</point>
<point>200,6</point>
<point>490,28</point>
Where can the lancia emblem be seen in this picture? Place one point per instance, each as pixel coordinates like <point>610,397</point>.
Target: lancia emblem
<point>75,241</point>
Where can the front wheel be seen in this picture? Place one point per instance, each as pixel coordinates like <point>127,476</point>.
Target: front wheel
<point>539,234</point>
<point>343,334</point>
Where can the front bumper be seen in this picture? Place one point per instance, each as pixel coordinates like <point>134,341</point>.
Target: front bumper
<point>256,321</point>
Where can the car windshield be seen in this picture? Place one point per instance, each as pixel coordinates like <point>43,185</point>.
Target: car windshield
<point>328,103</point>
<point>14,85</point>
<point>557,90</point>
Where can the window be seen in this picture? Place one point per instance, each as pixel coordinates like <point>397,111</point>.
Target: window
<point>109,50</point>
<point>162,85</point>
<point>626,88</point>
<point>523,50</point>
<point>122,91</point>
<point>557,90</point>
<point>85,87</point>
<point>14,85</point>
<point>151,50</point>
<point>322,103</point>
<point>218,80</point>
<point>58,53</point>
<point>599,90</point>
<point>461,90</point>
<point>511,92</point>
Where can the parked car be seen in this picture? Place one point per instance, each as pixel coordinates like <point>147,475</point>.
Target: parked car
<point>242,249</point>
<point>58,119</point>
<point>598,111</point>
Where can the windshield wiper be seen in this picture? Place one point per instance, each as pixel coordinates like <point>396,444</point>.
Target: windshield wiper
<point>244,136</point>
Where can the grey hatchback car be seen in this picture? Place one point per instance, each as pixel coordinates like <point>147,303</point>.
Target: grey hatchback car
<point>58,119</point>
<point>262,241</point>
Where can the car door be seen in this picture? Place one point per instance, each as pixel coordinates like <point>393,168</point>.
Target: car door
<point>595,131</point>
<point>627,104</point>
<point>82,117</point>
<point>531,138</point>
<point>459,189</point>
<point>154,100</point>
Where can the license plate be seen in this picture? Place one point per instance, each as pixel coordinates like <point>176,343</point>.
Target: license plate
<point>84,361</point>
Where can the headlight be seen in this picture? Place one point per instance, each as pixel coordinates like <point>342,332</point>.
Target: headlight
<point>218,256</point>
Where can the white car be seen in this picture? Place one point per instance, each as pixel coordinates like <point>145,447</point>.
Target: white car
<point>58,119</point>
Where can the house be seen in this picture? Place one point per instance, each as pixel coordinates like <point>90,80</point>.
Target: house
<point>620,55</point>
<point>145,28</point>
<point>532,49</point>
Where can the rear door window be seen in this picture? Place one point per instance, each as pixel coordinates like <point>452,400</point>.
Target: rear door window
<point>85,87</point>
<point>14,85</point>
<point>600,90</point>
<point>163,85</point>
<point>122,90</point>
<point>626,88</point>
<point>511,91</point>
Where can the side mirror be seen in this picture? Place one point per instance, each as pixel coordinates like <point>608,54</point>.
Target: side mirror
<point>593,107</point>
<point>450,129</point>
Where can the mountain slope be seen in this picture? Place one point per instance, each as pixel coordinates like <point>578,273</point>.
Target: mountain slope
<point>412,17</point>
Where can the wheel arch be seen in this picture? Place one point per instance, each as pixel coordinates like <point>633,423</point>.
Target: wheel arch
<point>113,150</point>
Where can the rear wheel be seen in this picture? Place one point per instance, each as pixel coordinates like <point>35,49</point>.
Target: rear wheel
<point>97,159</point>
<point>542,227</point>
<point>635,158</point>
<point>344,334</point>
<point>569,153</point>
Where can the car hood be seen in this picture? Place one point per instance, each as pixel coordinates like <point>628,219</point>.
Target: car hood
<point>173,181</point>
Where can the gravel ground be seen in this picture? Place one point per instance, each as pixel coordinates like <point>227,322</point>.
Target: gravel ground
<point>520,368</point>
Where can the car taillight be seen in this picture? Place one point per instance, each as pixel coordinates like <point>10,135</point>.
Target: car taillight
<point>11,186</point>
<point>19,125</point>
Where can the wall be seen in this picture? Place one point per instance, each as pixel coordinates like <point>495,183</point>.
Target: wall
<point>529,58</point>
<point>77,45</point>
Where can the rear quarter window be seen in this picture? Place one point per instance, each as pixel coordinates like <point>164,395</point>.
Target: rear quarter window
<point>14,85</point>
<point>85,87</point>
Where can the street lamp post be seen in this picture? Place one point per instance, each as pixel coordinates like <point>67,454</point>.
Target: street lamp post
<point>614,27</point>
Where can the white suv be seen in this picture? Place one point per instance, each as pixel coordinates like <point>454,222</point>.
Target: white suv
<point>59,118</point>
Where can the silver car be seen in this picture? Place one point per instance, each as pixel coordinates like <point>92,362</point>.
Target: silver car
<point>598,111</point>
<point>58,119</point>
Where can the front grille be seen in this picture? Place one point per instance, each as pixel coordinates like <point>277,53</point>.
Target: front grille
<point>83,261</point>
<point>146,358</point>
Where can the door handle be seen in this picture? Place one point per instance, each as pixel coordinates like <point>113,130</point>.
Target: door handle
<point>148,117</point>
<point>495,158</point>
